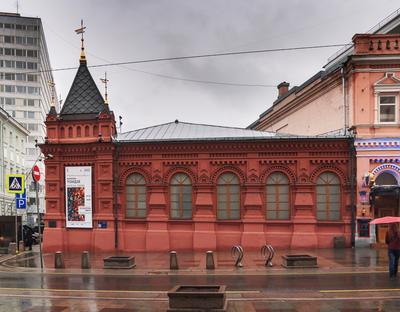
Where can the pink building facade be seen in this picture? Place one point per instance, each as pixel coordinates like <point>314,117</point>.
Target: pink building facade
<point>358,93</point>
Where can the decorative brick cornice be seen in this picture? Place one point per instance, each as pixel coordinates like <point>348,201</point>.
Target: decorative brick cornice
<point>329,161</point>
<point>170,172</point>
<point>135,163</point>
<point>228,155</point>
<point>272,147</point>
<point>277,161</point>
<point>179,156</point>
<point>285,170</point>
<point>125,173</point>
<point>228,168</point>
<point>279,154</point>
<point>180,163</point>
<point>78,163</point>
<point>387,167</point>
<point>328,167</point>
<point>377,144</point>
<point>384,160</point>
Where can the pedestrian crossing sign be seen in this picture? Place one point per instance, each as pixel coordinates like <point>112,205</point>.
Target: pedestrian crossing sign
<point>15,183</point>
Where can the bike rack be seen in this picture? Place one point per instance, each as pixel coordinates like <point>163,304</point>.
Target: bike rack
<point>268,253</point>
<point>237,252</point>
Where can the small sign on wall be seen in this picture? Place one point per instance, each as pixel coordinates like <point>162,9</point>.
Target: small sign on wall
<point>102,224</point>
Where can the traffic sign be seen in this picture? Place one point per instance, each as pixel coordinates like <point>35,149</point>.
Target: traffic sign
<point>21,203</point>
<point>20,200</point>
<point>36,173</point>
<point>15,183</point>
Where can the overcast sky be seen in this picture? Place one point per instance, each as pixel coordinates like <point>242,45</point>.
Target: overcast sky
<point>130,30</point>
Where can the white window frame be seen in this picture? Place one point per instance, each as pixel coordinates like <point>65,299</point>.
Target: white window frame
<point>396,113</point>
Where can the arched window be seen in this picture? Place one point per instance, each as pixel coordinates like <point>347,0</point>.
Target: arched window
<point>95,131</point>
<point>62,134</point>
<point>328,196</point>
<point>136,196</point>
<point>228,190</point>
<point>181,196</point>
<point>78,131</point>
<point>386,178</point>
<point>70,132</point>
<point>87,131</point>
<point>277,197</point>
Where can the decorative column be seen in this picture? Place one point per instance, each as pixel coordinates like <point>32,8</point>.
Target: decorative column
<point>157,236</point>
<point>103,238</point>
<point>304,222</point>
<point>253,236</point>
<point>204,237</point>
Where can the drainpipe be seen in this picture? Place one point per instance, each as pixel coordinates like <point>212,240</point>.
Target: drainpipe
<point>353,188</point>
<point>115,193</point>
<point>345,109</point>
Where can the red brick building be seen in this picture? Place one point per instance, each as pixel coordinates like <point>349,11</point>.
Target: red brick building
<point>181,186</point>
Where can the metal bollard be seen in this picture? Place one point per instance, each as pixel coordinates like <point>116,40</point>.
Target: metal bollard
<point>210,260</point>
<point>59,260</point>
<point>173,261</point>
<point>21,246</point>
<point>268,253</point>
<point>85,260</point>
<point>12,248</point>
<point>237,251</point>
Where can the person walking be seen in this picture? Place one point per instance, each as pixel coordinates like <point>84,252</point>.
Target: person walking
<point>28,239</point>
<point>392,239</point>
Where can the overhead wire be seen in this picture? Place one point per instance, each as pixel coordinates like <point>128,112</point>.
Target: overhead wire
<point>198,56</point>
<point>164,75</point>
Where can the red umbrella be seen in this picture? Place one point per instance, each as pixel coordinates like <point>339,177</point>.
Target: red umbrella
<point>384,220</point>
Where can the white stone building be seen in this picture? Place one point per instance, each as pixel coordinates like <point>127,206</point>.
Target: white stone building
<point>25,93</point>
<point>13,137</point>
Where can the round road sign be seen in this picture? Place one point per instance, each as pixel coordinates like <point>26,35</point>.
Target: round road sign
<point>36,173</point>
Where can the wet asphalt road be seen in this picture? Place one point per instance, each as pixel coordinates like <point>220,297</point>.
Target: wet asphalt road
<point>33,292</point>
<point>163,282</point>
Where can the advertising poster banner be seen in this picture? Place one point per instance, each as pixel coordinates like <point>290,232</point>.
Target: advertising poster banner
<point>78,196</point>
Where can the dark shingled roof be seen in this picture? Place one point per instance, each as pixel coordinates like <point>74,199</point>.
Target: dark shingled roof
<point>84,98</point>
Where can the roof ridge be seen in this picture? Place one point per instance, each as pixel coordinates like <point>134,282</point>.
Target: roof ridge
<point>196,124</point>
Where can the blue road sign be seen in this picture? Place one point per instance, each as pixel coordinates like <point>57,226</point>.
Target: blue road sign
<point>20,200</point>
<point>15,183</point>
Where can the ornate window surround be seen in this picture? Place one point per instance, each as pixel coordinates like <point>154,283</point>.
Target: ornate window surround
<point>139,189</point>
<point>383,89</point>
<point>278,189</point>
<point>327,188</point>
<point>390,168</point>
<point>220,187</point>
<point>179,187</point>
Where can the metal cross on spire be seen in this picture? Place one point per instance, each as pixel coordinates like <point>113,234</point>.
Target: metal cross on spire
<point>81,31</point>
<point>105,81</point>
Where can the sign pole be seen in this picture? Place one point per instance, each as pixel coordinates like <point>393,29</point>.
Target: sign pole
<point>39,224</point>
<point>16,228</point>
<point>36,177</point>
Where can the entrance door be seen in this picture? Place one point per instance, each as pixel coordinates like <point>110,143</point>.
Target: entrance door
<point>386,203</point>
<point>383,228</point>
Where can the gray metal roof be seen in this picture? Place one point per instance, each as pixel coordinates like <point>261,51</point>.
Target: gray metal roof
<point>183,131</point>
